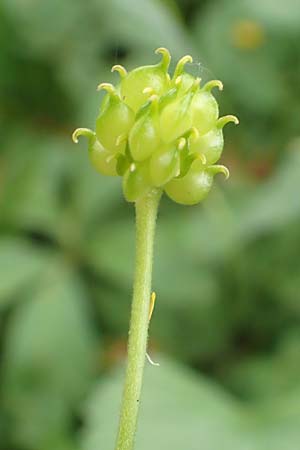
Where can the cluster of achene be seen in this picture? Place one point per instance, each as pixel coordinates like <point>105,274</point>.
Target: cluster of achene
<point>159,132</point>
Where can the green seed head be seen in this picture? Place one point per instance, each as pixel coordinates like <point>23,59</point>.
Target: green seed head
<point>159,131</point>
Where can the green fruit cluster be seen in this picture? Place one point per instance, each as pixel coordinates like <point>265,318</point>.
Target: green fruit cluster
<point>159,132</point>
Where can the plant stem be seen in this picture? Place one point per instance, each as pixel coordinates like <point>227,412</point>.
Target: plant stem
<point>146,212</point>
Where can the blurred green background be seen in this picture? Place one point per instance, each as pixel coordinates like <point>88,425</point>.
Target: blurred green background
<point>226,328</point>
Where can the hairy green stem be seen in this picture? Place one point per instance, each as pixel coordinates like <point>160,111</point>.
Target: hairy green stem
<point>146,212</point>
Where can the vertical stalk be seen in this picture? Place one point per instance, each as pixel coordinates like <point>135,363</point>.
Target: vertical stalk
<point>146,212</point>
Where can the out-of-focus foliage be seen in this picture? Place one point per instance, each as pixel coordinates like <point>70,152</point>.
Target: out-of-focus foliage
<point>192,413</point>
<point>226,273</point>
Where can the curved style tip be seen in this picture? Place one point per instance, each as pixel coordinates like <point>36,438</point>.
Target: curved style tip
<point>120,69</point>
<point>166,57</point>
<point>108,87</point>
<point>82,132</point>
<point>180,65</point>
<point>222,121</point>
<point>213,83</point>
<point>219,169</point>
<point>193,134</point>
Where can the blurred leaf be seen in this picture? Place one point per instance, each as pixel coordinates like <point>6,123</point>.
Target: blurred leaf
<point>33,172</point>
<point>276,203</point>
<point>271,375</point>
<point>138,18</point>
<point>35,20</point>
<point>177,412</point>
<point>286,17</point>
<point>111,251</point>
<point>49,358</point>
<point>275,423</point>
<point>21,264</point>
<point>184,412</point>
